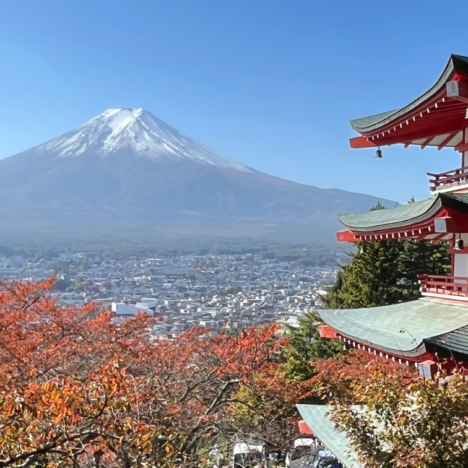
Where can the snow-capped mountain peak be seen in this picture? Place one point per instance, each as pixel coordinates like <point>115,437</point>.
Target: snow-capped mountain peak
<point>128,175</point>
<point>139,133</point>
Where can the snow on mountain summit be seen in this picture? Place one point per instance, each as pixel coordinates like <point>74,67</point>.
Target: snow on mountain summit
<point>139,133</point>
<point>126,173</point>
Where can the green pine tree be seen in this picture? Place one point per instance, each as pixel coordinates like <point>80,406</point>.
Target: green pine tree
<point>305,345</point>
<point>386,272</point>
<point>371,279</point>
<point>334,298</point>
<point>422,258</point>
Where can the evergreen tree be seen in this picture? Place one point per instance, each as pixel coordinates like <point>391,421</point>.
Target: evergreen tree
<point>305,346</point>
<point>334,299</point>
<point>371,279</point>
<point>386,272</point>
<point>422,257</point>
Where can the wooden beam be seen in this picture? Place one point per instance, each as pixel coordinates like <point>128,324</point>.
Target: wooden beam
<point>346,236</point>
<point>438,127</point>
<point>443,129</point>
<point>325,331</point>
<point>438,237</point>
<point>461,147</point>
<point>361,142</point>
<point>428,140</point>
<point>450,137</point>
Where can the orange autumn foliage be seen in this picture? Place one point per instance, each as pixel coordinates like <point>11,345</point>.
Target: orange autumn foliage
<point>77,389</point>
<point>337,378</point>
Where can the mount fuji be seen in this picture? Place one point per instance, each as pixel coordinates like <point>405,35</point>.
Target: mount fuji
<point>128,170</point>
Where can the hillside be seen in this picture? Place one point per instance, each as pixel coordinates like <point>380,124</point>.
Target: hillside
<point>127,170</point>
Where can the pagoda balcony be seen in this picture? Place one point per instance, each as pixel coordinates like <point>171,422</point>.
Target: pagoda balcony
<point>448,179</point>
<point>437,286</point>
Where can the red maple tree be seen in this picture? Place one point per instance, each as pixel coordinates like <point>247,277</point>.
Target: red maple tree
<point>77,389</point>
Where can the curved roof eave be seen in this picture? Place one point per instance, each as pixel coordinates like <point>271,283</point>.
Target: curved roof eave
<point>391,218</point>
<point>374,122</point>
<point>404,215</point>
<point>399,328</point>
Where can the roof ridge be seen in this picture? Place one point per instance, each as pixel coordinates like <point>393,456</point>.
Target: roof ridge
<point>376,121</point>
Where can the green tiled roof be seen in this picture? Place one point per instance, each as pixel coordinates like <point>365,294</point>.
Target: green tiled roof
<point>370,220</point>
<point>373,122</point>
<point>364,122</point>
<point>399,328</point>
<point>404,215</point>
<point>455,341</point>
<point>316,417</point>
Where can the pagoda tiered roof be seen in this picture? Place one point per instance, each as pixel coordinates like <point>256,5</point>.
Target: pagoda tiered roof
<point>436,118</point>
<point>437,323</point>
<point>407,330</point>
<point>415,220</point>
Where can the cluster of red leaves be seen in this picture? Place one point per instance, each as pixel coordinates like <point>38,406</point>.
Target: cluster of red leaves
<point>62,382</point>
<point>342,380</point>
<point>74,386</point>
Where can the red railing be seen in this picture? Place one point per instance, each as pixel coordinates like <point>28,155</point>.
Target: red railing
<point>449,178</point>
<point>447,285</point>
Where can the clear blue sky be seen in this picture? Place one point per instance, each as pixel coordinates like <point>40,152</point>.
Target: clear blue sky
<point>271,83</point>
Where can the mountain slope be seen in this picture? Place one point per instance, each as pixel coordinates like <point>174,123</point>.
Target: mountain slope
<point>127,168</point>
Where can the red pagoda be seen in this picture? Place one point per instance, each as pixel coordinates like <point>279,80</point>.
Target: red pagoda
<point>435,327</point>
